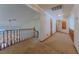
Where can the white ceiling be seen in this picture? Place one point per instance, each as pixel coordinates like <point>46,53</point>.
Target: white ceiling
<point>47,6</point>
<point>66,8</point>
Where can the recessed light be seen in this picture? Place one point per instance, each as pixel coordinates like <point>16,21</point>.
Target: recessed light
<point>60,14</point>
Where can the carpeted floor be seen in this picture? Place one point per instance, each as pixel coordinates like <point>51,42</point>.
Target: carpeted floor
<point>59,43</point>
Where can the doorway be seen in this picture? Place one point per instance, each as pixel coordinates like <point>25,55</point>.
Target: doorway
<point>58,25</point>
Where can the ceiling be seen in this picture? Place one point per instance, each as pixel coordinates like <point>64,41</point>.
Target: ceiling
<point>66,8</point>
<point>47,6</point>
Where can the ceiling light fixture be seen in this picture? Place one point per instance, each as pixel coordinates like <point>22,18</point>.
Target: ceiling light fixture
<point>60,14</point>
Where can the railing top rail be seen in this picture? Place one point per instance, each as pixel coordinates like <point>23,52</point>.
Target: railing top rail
<point>18,29</point>
<point>27,29</point>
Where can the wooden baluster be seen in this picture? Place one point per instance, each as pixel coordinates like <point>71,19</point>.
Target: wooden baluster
<point>16,40</point>
<point>11,37</point>
<point>34,32</point>
<point>0,43</point>
<point>7,38</point>
<point>14,37</point>
<point>0,46</point>
<point>3,40</point>
<point>19,35</point>
<point>3,46</point>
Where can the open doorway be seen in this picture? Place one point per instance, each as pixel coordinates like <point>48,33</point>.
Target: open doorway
<point>58,25</point>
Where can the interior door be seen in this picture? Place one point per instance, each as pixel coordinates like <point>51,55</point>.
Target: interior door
<point>63,24</point>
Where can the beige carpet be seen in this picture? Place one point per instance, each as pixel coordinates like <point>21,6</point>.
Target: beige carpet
<point>59,43</point>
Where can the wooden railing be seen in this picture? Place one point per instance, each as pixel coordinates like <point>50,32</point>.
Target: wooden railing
<point>11,37</point>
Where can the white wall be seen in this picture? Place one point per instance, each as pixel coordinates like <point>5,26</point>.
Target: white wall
<point>45,23</point>
<point>32,24</point>
<point>71,22</point>
<point>44,26</point>
<point>25,17</point>
<point>75,12</point>
<point>21,13</point>
<point>53,25</point>
<point>35,23</point>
